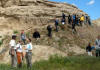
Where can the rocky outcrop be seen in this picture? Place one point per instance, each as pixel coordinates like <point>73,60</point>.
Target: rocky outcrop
<point>37,8</point>
<point>33,11</point>
<point>97,22</point>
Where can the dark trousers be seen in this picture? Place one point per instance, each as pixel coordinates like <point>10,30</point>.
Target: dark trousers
<point>24,41</point>
<point>73,27</point>
<point>97,52</point>
<point>56,28</point>
<point>69,21</point>
<point>49,33</point>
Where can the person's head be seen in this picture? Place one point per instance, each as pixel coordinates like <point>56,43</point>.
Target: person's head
<point>28,40</point>
<point>14,36</point>
<point>89,44</point>
<point>82,15</point>
<point>36,30</point>
<point>22,31</point>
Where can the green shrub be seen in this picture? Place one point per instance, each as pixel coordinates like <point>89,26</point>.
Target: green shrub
<point>58,62</point>
<point>0,36</point>
<point>28,34</point>
<point>15,32</point>
<point>1,42</point>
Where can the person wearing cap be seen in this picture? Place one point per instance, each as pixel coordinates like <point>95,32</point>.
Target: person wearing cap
<point>12,51</point>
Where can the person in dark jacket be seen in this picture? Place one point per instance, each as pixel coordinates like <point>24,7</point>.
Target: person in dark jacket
<point>36,35</point>
<point>74,24</point>
<point>77,20</point>
<point>56,24</point>
<point>69,19</point>
<point>49,28</point>
<point>89,49</point>
<point>63,16</point>
<point>89,20</point>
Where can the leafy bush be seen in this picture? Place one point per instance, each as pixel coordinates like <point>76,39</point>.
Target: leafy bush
<point>15,32</point>
<point>1,42</point>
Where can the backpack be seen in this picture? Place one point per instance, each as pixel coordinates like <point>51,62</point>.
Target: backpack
<point>74,17</point>
<point>56,22</point>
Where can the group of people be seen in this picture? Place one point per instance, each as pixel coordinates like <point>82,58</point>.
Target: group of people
<point>18,51</point>
<point>94,50</point>
<point>73,20</point>
<point>23,48</point>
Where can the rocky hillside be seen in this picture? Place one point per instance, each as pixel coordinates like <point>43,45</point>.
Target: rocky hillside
<point>25,13</point>
<point>97,22</point>
<point>16,15</point>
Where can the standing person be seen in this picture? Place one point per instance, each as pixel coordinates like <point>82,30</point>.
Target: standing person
<point>36,35</point>
<point>86,19</point>
<point>82,20</point>
<point>97,42</point>
<point>63,24</point>
<point>89,20</point>
<point>69,19</point>
<point>29,53</point>
<point>89,49</point>
<point>49,28</point>
<point>63,21</point>
<point>63,16</point>
<point>12,51</point>
<point>56,24</point>
<point>23,36</point>
<point>19,54</point>
<point>77,20</point>
<point>74,24</point>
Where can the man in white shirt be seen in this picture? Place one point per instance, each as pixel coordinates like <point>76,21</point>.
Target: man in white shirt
<point>29,54</point>
<point>12,51</point>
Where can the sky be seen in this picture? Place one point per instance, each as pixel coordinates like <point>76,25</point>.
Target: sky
<point>91,7</point>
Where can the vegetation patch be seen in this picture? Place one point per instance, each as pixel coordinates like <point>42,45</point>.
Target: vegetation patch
<point>62,63</point>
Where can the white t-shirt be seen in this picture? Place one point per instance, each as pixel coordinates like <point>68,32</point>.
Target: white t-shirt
<point>28,47</point>
<point>63,23</point>
<point>13,44</point>
<point>19,47</point>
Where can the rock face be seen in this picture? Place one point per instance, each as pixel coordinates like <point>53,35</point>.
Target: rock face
<point>97,22</point>
<point>32,11</point>
<point>36,8</point>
